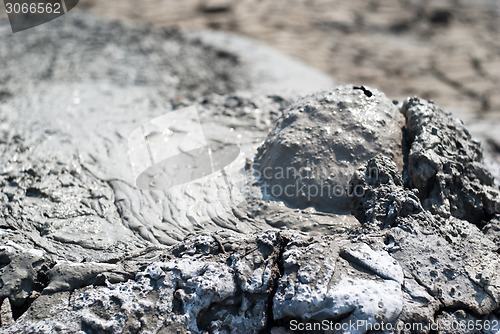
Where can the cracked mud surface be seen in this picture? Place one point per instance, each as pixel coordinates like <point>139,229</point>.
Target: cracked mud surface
<point>82,249</point>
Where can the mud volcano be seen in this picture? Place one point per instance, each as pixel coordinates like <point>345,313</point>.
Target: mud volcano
<point>311,153</point>
<point>414,240</point>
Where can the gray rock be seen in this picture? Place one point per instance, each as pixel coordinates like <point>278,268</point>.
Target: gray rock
<point>222,283</point>
<point>492,230</point>
<point>6,319</point>
<point>378,194</point>
<point>461,323</point>
<point>23,273</point>
<point>448,263</point>
<point>337,281</point>
<point>217,283</point>
<point>69,276</point>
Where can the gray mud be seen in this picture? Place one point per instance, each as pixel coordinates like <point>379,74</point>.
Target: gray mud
<point>446,166</point>
<point>83,249</point>
<point>311,153</point>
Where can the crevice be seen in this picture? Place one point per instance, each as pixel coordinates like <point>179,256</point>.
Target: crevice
<point>361,266</point>
<point>135,255</point>
<point>40,283</point>
<point>36,193</point>
<point>489,294</point>
<point>406,147</point>
<point>455,308</point>
<point>230,305</point>
<point>70,295</point>
<point>279,273</point>
<point>425,287</point>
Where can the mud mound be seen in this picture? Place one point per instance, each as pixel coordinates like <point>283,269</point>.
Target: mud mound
<point>314,148</point>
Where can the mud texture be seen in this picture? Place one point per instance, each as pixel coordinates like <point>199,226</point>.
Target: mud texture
<point>83,250</point>
<point>445,165</point>
<point>309,156</point>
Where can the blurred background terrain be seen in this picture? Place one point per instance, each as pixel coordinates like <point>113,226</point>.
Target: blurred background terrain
<point>444,50</point>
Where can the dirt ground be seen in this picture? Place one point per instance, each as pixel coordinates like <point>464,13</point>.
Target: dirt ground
<point>445,50</point>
